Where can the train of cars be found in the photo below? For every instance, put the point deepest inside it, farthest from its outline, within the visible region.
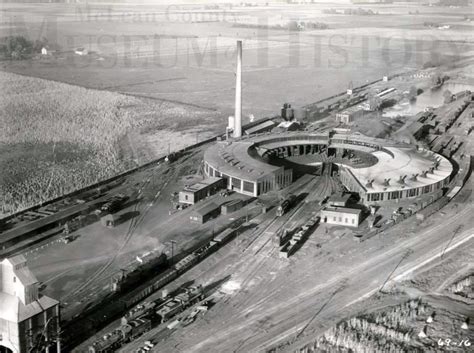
(94, 320)
(298, 238)
(141, 319)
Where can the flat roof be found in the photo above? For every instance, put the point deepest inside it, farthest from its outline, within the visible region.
(342, 210)
(340, 198)
(203, 210)
(265, 125)
(202, 184)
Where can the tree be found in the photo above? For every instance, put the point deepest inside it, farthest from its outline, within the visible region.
(17, 48)
(412, 93)
(448, 96)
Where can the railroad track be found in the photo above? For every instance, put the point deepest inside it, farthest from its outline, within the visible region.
(134, 223)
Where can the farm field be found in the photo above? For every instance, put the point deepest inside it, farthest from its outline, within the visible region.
(161, 77)
(176, 54)
(56, 137)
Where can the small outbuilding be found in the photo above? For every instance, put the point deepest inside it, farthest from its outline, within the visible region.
(109, 220)
(232, 206)
(343, 216)
(81, 51)
(339, 200)
(205, 213)
(347, 116)
(200, 190)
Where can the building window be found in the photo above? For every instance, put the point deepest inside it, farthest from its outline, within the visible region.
(353, 221)
(335, 219)
(346, 220)
(185, 197)
(248, 186)
(236, 183)
(14, 279)
(340, 219)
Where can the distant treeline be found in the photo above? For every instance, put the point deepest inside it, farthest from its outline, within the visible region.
(19, 47)
(358, 11)
(292, 25)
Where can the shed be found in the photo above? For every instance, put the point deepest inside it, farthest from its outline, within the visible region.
(232, 206)
(265, 126)
(339, 200)
(108, 220)
(205, 213)
(81, 51)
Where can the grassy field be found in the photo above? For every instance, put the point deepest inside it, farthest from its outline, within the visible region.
(160, 77)
(154, 50)
(56, 137)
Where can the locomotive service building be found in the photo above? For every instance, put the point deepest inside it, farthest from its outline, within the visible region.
(378, 170)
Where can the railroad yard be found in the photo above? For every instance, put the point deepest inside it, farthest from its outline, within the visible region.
(263, 300)
(138, 266)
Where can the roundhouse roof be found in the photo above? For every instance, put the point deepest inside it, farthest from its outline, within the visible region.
(241, 158)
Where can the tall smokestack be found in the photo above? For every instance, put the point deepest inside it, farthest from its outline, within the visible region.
(238, 92)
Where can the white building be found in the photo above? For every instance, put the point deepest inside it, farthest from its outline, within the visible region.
(28, 321)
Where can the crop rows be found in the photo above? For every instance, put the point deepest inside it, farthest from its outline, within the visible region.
(387, 331)
(56, 138)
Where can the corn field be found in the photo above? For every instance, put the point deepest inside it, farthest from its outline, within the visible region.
(48, 117)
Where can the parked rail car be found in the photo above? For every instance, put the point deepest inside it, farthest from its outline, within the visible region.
(180, 302)
(138, 311)
(285, 205)
(108, 343)
(187, 262)
(135, 328)
(225, 236)
(114, 203)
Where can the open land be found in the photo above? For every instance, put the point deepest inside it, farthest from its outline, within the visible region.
(136, 97)
(176, 68)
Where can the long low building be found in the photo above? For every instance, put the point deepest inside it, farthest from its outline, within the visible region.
(379, 170)
(341, 216)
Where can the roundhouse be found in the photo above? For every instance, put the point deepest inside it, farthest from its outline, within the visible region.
(379, 170)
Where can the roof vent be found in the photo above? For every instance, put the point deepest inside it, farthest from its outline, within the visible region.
(401, 180)
(369, 183)
(386, 182)
(414, 177)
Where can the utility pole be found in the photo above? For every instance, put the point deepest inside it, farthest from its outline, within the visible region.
(172, 242)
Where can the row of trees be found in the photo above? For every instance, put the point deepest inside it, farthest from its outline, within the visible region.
(20, 47)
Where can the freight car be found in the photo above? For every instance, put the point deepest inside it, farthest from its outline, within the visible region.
(123, 334)
(180, 302)
(138, 311)
(167, 276)
(285, 205)
(108, 343)
(135, 328)
(134, 325)
(114, 203)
